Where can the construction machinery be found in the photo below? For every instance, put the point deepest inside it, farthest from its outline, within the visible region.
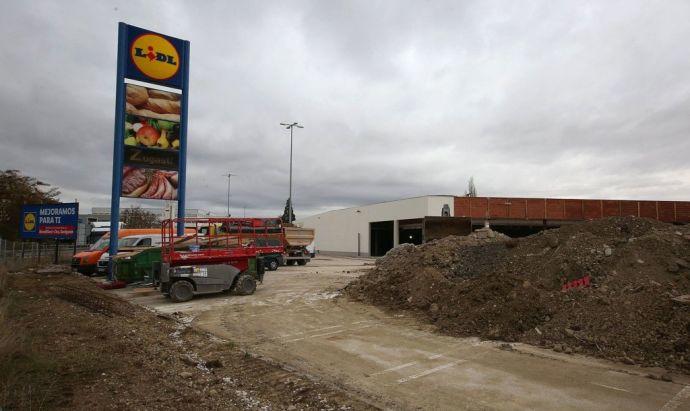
(209, 261)
(279, 243)
(296, 240)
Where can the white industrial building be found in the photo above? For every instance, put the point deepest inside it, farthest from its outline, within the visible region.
(372, 230)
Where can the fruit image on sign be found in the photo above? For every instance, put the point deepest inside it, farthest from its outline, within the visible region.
(151, 133)
(155, 56)
(29, 222)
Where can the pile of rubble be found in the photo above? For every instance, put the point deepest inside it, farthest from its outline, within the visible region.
(615, 288)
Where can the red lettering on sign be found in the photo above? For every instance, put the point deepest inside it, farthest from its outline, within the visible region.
(60, 230)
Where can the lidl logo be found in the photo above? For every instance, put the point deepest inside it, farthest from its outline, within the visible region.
(29, 222)
(155, 56)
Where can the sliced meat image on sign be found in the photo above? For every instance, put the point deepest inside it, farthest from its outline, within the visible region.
(149, 184)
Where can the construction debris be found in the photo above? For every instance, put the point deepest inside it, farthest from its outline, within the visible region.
(611, 288)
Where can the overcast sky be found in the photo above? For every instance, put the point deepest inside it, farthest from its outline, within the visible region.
(398, 99)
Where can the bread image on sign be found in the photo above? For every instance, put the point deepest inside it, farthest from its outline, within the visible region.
(149, 183)
(152, 103)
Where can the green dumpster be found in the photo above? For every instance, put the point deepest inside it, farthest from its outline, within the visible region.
(256, 268)
(136, 265)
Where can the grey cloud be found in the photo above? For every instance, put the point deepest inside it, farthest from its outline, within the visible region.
(578, 99)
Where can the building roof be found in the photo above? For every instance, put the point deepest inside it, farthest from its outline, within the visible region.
(381, 202)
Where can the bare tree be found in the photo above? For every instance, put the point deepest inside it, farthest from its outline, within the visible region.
(16, 190)
(137, 217)
(471, 188)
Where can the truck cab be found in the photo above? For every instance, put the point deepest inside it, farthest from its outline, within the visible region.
(272, 250)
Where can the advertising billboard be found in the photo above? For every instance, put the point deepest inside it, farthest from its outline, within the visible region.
(150, 127)
(57, 221)
(151, 139)
(152, 87)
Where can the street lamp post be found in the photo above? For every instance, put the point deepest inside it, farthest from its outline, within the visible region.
(290, 127)
(228, 176)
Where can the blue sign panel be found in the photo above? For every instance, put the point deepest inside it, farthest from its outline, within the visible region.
(58, 221)
(155, 58)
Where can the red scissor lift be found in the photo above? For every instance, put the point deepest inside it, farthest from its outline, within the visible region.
(219, 256)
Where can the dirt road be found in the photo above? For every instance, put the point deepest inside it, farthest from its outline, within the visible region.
(392, 361)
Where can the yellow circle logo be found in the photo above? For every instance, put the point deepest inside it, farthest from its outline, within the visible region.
(155, 56)
(29, 221)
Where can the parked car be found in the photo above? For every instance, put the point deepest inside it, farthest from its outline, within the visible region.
(86, 262)
(126, 244)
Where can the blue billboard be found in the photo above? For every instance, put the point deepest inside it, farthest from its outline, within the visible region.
(58, 221)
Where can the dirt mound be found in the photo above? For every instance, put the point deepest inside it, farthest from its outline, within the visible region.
(609, 288)
(66, 344)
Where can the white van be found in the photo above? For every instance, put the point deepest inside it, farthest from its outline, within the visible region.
(129, 243)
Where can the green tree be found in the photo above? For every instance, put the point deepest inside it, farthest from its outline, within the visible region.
(285, 216)
(137, 217)
(16, 190)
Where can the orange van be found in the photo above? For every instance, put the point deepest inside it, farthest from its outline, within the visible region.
(85, 261)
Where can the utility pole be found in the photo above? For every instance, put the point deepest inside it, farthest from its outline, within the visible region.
(228, 176)
(290, 127)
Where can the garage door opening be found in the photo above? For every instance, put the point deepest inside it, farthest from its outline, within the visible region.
(381, 235)
(410, 231)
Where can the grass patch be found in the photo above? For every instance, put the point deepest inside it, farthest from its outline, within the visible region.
(27, 380)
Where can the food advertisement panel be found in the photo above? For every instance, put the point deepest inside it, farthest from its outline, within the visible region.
(148, 183)
(151, 138)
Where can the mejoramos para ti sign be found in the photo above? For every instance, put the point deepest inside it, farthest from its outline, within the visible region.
(59, 221)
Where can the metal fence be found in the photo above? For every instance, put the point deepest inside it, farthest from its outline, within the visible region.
(19, 253)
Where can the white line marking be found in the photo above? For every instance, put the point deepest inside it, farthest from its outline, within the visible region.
(610, 387)
(324, 334)
(326, 328)
(435, 356)
(677, 399)
(396, 368)
(430, 371)
(314, 336)
(290, 335)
